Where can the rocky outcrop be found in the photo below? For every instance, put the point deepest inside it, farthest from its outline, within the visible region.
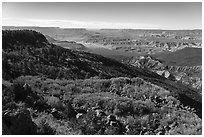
(184, 74)
(147, 62)
(165, 74)
(185, 68)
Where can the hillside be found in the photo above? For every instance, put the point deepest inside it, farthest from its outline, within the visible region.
(14, 40)
(184, 57)
(57, 62)
(48, 89)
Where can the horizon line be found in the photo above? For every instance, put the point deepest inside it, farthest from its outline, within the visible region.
(99, 28)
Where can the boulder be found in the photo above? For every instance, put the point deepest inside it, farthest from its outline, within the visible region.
(165, 74)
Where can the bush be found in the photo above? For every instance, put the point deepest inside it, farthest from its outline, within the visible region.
(124, 107)
(20, 93)
(56, 93)
(43, 125)
(107, 100)
(48, 125)
(87, 90)
(54, 102)
(7, 96)
(130, 91)
(19, 122)
(182, 123)
(141, 108)
(119, 83)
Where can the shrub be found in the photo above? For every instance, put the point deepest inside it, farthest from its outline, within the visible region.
(182, 122)
(73, 89)
(87, 90)
(7, 96)
(120, 82)
(20, 93)
(19, 121)
(143, 107)
(56, 93)
(54, 102)
(107, 100)
(123, 107)
(130, 91)
(43, 124)
(48, 125)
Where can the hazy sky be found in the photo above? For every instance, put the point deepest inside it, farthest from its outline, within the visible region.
(148, 15)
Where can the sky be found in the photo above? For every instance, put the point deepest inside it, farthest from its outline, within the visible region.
(115, 15)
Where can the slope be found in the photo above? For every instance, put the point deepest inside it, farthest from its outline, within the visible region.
(53, 62)
(184, 57)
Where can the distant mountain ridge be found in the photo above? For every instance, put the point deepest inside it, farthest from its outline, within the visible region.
(125, 41)
(54, 31)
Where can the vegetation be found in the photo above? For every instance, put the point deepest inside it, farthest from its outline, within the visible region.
(49, 90)
(138, 107)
